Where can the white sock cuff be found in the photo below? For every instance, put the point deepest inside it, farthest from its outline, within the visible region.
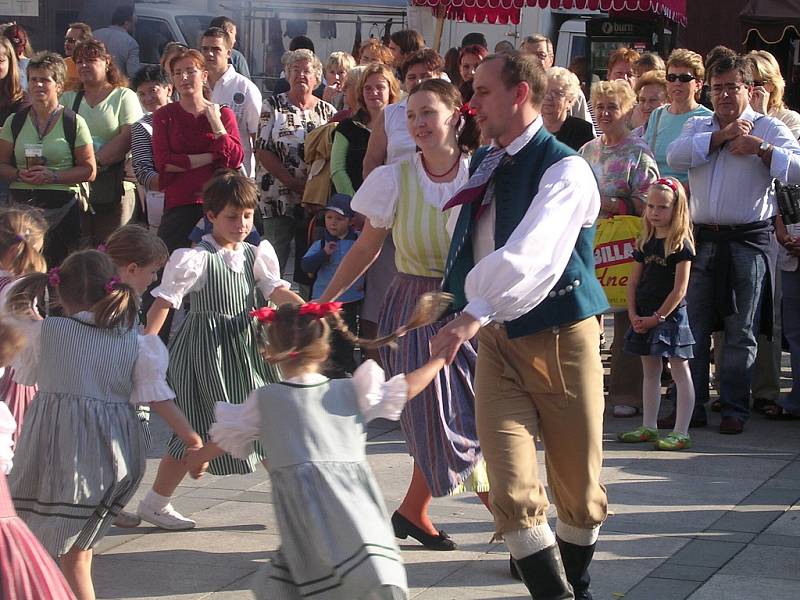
(156, 500)
(576, 535)
(524, 542)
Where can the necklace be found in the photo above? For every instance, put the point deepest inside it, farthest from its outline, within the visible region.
(440, 175)
(42, 132)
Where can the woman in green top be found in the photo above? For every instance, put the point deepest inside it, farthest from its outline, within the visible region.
(43, 169)
(110, 109)
(376, 87)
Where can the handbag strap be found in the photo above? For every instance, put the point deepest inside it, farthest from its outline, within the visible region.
(660, 110)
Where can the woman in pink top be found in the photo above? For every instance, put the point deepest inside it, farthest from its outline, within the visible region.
(192, 138)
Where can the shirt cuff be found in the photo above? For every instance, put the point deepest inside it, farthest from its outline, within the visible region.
(779, 164)
(480, 309)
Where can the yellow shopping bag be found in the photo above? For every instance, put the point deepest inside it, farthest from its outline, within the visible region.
(614, 243)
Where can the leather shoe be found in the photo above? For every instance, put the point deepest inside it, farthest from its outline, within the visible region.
(404, 528)
(731, 425)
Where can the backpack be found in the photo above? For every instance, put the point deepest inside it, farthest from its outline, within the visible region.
(70, 125)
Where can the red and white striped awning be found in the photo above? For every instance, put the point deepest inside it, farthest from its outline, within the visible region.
(508, 11)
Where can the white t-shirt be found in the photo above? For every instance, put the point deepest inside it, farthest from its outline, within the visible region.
(243, 97)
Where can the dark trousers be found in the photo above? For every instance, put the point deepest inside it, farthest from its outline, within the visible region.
(62, 212)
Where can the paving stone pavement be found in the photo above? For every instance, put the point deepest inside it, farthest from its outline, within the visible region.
(721, 521)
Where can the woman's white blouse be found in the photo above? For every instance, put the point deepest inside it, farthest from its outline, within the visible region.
(377, 197)
(237, 426)
(186, 270)
(7, 427)
(149, 371)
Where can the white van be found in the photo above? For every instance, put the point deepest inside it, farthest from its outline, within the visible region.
(157, 24)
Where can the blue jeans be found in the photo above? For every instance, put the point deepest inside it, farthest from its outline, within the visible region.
(791, 331)
(748, 278)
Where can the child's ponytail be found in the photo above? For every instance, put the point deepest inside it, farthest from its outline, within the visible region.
(21, 236)
(28, 291)
(118, 308)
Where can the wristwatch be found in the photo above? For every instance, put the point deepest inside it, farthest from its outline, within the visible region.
(661, 318)
(763, 147)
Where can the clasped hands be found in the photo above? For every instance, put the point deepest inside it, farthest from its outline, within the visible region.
(738, 139)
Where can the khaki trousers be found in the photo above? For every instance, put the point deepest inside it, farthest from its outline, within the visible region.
(553, 378)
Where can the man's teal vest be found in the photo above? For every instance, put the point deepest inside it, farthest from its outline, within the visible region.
(577, 294)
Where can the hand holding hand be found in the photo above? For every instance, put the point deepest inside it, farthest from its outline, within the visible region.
(449, 339)
(195, 462)
(735, 129)
(37, 175)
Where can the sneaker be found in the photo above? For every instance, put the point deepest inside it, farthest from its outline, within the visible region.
(674, 441)
(127, 520)
(166, 518)
(642, 434)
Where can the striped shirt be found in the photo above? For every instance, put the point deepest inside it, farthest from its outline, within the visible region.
(142, 151)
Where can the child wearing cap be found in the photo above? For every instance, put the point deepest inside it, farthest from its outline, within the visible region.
(322, 260)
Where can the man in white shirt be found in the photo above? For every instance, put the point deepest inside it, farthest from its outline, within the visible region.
(119, 41)
(732, 158)
(232, 89)
(521, 265)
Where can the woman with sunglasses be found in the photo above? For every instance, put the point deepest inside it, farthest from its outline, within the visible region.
(685, 74)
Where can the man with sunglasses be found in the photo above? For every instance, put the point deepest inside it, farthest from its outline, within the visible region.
(732, 158)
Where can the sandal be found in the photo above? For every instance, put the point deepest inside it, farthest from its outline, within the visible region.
(641, 434)
(778, 413)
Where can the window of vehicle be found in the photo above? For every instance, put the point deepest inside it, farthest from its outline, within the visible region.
(192, 27)
(152, 35)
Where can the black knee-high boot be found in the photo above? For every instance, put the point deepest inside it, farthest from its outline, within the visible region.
(576, 565)
(543, 574)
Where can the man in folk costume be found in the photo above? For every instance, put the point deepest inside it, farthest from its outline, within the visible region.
(521, 266)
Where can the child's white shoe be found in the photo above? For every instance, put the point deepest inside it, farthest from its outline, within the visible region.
(165, 518)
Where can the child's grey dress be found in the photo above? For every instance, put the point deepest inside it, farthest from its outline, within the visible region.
(336, 539)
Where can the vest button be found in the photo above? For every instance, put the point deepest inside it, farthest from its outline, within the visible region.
(552, 294)
(569, 288)
(562, 292)
(576, 283)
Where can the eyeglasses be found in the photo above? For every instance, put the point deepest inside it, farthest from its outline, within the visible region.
(759, 83)
(556, 93)
(683, 77)
(729, 88)
(71, 40)
(187, 72)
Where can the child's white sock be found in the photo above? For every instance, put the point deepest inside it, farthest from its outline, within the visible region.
(684, 405)
(651, 390)
(156, 501)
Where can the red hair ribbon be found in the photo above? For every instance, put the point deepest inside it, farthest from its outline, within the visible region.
(112, 284)
(318, 309)
(264, 314)
(54, 277)
(294, 354)
(667, 182)
(467, 110)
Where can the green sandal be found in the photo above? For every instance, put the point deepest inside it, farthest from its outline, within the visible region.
(642, 434)
(674, 441)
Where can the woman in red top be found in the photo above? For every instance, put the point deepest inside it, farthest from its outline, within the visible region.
(192, 138)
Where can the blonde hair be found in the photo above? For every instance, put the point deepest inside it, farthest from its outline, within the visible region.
(340, 60)
(136, 244)
(87, 280)
(620, 90)
(22, 230)
(682, 57)
(566, 78)
(767, 68)
(384, 71)
(296, 56)
(680, 228)
(11, 342)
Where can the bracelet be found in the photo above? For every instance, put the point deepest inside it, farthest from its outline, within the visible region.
(220, 132)
(661, 318)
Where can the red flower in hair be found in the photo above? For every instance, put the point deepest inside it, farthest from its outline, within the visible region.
(319, 309)
(468, 111)
(264, 314)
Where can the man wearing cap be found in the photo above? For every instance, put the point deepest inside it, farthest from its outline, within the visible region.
(322, 259)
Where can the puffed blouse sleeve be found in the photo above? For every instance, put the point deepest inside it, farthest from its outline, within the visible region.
(236, 426)
(7, 428)
(378, 398)
(150, 372)
(26, 362)
(267, 270)
(377, 197)
(184, 272)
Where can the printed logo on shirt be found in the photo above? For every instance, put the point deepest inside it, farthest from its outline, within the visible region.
(238, 98)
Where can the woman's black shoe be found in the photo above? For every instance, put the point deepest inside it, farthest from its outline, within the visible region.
(404, 528)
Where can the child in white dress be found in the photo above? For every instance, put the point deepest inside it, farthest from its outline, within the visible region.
(337, 541)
